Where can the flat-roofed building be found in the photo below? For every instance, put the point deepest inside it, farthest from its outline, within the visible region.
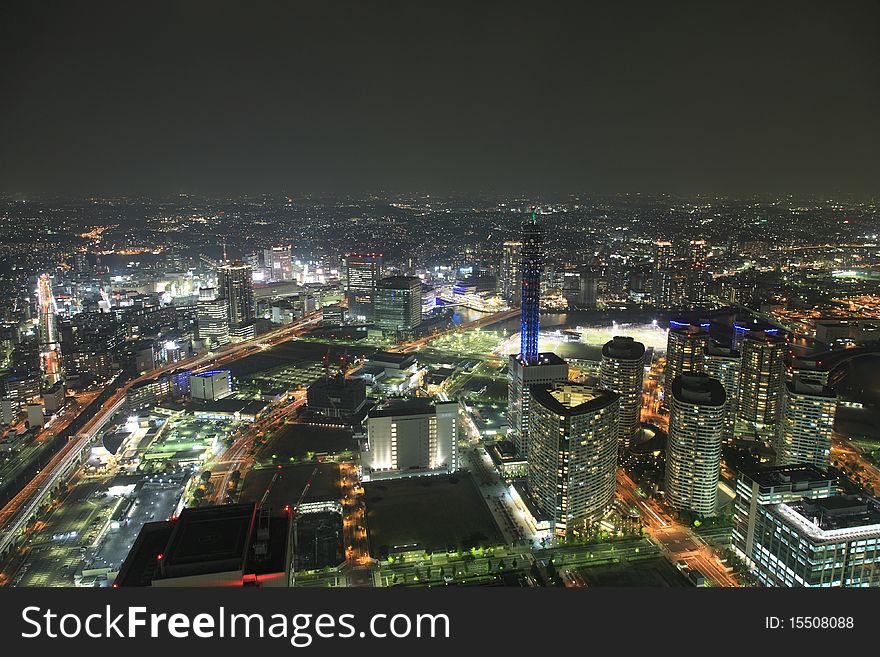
(805, 424)
(411, 437)
(211, 385)
(549, 368)
(826, 542)
(761, 377)
(774, 485)
(572, 461)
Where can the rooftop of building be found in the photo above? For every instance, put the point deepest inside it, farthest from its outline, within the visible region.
(398, 282)
(690, 324)
(216, 534)
(204, 541)
(209, 374)
(716, 350)
(783, 475)
(503, 451)
(410, 406)
(396, 357)
(828, 519)
(228, 405)
(804, 389)
(763, 336)
(544, 358)
(698, 388)
(572, 398)
(623, 347)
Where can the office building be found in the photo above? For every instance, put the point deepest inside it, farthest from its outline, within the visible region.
(279, 263)
(337, 397)
(805, 424)
(413, 437)
(17, 391)
(581, 288)
(685, 346)
(572, 462)
(91, 347)
(211, 385)
(398, 304)
(229, 545)
(549, 368)
(671, 278)
(698, 273)
(235, 282)
(743, 327)
(622, 370)
(773, 485)
(693, 449)
(363, 272)
(509, 275)
(723, 364)
(212, 315)
(35, 414)
(761, 376)
(818, 543)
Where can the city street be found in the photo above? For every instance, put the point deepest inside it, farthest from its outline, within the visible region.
(678, 541)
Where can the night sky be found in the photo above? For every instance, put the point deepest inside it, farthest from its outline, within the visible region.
(539, 97)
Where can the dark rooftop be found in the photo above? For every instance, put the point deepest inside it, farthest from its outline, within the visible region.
(781, 475)
(840, 511)
(624, 348)
(394, 407)
(698, 388)
(397, 357)
(720, 351)
(544, 358)
(204, 541)
(572, 398)
(208, 539)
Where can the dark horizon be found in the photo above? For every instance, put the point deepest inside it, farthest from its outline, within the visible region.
(343, 98)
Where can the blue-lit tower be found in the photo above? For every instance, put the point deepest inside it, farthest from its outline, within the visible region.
(531, 268)
(530, 367)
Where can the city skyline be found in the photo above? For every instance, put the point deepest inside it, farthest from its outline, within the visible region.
(569, 296)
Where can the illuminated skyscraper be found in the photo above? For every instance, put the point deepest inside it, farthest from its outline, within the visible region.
(665, 284)
(684, 353)
(279, 263)
(235, 281)
(550, 368)
(723, 364)
(572, 463)
(47, 311)
(398, 303)
(509, 275)
(363, 272)
(212, 313)
(805, 425)
(693, 449)
(698, 274)
(761, 378)
(622, 371)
